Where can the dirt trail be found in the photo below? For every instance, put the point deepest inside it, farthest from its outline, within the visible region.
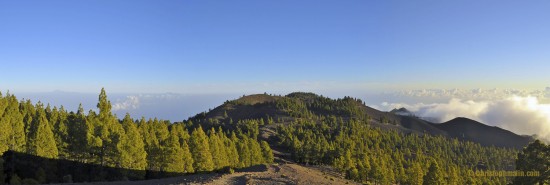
(284, 171)
(261, 174)
(281, 174)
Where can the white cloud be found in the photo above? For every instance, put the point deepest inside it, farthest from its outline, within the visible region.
(131, 102)
(475, 94)
(522, 115)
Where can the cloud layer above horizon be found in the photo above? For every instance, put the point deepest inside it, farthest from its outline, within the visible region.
(519, 112)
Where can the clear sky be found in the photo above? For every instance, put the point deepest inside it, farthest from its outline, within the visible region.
(137, 46)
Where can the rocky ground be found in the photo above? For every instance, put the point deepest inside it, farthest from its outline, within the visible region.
(283, 174)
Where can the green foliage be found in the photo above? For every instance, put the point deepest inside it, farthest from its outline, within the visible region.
(245, 157)
(41, 138)
(232, 152)
(434, 175)
(78, 135)
(183, 137)
(372, 155)
(108, 133)
(187, 159)
(534, 158)
(133, 155)
(172, 155)
(415, 174)
(217, 150)
(17, 140)
(267, 152)
(5, 130)
(4, 126)
(59, 120)
(148, 146)
(256, 156)
(202, 157)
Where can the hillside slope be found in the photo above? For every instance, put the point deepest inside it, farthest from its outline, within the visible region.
(467, 129)
(298, 105)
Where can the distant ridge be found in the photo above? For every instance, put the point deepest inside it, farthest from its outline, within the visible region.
(283, 109)
(467, 129)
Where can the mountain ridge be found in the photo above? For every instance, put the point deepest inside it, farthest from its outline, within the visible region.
(468, 129)
(298, 105)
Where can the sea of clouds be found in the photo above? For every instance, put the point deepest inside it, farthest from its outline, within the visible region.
(522, 112)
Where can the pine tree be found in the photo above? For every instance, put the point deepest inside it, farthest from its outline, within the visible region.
(415, 174)
(187, 158)
(255, 152)
(200, 149)
(133, 155)
(244, 152)
(399, 172)
(59, 120)
(434, 175)
(78, 136)
(267, 152)
(220, 141)
(17, 140)
(183, 136)
(215, 150)
(534, 158)
(454, 178)
(109, 131)
(232, 153)
(152, 145)
(172, 155)
(5, 127)
(160, 129)
(5, 130)
(28, 110)
(41, 138)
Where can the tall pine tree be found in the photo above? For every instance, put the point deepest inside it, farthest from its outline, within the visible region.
(109, 131)
(415, 174)
(217, 150)
(133, 155)
(5, 127)
(187, 158)
(41, 138)
(267, 152)
(17, 140)
(172, 155)
(232, 153)
(434, 175)
(200, 149)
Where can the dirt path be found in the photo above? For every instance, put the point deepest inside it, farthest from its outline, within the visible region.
(285, 172)
(281, 174)
(261, 174)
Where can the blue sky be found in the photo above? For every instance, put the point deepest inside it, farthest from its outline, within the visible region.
(174, 59)
(255, 46)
